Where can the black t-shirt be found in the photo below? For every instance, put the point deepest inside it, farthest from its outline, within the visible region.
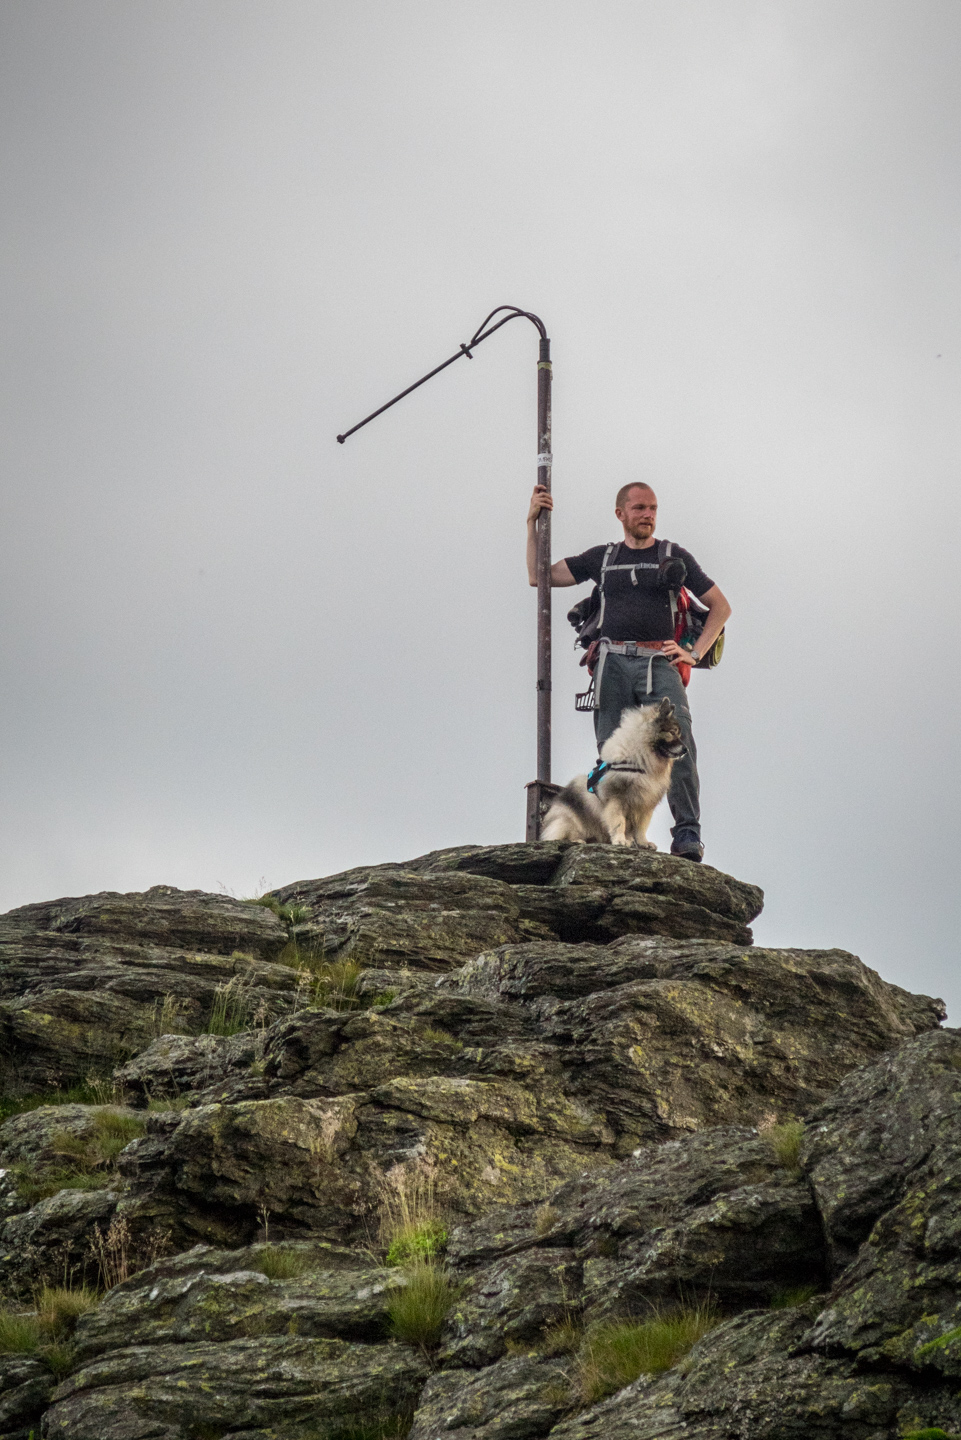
(635, 606)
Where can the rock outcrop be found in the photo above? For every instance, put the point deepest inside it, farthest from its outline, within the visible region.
(598, 1078)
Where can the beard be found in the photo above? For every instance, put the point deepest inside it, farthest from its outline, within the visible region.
(641, 530)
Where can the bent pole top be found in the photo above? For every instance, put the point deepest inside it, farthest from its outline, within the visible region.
(540, 790)
(481, 333)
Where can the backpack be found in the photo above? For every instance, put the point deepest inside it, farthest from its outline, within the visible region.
(689, 613)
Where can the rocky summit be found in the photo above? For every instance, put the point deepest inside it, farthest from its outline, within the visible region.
(502, 1143)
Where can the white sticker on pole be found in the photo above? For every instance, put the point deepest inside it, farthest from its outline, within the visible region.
(545, 459)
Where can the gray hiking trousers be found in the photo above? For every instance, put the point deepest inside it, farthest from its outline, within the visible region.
(623, 683)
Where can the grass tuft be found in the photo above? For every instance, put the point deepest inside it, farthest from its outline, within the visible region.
(278, 1263)
(785, 1141)
(293, 914)
(545, 1218)
(614, 1353)
(235, 1008)
(20, 1334)
(932, 1433)
(60, 1307)
(169, 1016)
(176, 1102)
(790, 1298)
(563, 1339)
(46, 1332)
(412, 1224)
(331, 985)
(92, 1091)
(418, 1309)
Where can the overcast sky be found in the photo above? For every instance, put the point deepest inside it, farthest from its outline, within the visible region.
(236, 654)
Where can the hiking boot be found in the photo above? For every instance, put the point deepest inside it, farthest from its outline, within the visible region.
(687, 844)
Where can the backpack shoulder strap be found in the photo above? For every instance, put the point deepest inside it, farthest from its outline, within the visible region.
(664, 550)
(605, 564)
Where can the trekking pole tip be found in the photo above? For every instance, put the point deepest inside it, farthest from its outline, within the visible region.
(341, 439)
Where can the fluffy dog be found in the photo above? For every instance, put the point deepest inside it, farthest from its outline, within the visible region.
(643, 747)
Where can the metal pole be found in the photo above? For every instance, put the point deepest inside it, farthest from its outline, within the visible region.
(540, 791)
(544, 462)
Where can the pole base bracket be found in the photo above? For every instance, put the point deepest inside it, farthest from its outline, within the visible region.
(540, 794)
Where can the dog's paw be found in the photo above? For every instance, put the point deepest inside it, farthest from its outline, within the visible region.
(644, 845)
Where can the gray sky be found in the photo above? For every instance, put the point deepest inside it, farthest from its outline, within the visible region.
(237, 654)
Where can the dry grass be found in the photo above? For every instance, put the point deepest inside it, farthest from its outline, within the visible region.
(545, 1218)
(117, 1254)
(615, 1353)
(418, 1309)
(563, 1339)
(169, 1016)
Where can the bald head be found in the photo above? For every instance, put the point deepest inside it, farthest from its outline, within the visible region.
(636, 508)
(625, 490)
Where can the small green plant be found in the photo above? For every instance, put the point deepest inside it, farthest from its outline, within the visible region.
(935, 1433)
(412, 1223)
(112, 1131)
(293, 914)
(790, 1298)
(278, 1263)
(614, 1353)
(785, 1141)
(418, 1309)
(940, 1343)
(421, 1242)
(382, 998)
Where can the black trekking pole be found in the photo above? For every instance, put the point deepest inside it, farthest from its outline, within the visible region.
(539, 791)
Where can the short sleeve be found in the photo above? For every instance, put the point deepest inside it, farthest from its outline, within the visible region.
(586, 566)
(697, 582)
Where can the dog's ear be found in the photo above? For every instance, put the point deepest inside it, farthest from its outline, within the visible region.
(667, 709)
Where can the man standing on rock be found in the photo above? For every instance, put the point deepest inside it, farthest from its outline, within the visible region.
(639, 657)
